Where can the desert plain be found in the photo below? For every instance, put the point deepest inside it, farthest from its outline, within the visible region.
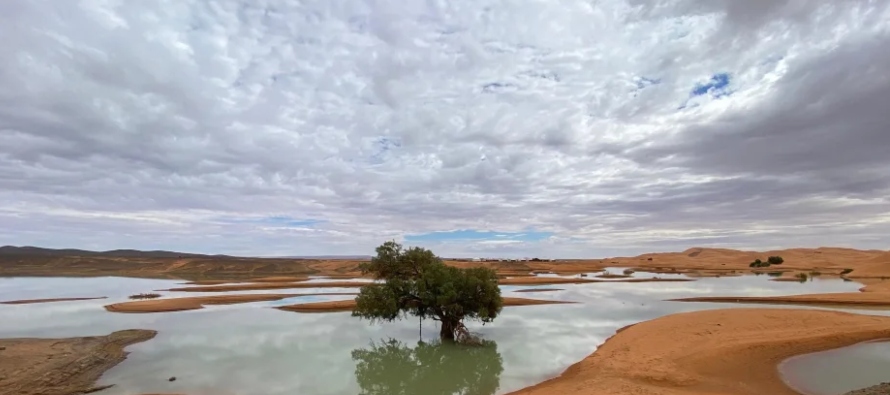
(731, 345)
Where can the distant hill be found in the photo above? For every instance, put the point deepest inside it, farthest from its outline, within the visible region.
(38, 251)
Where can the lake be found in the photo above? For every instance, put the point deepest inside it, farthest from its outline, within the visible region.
(252, 348)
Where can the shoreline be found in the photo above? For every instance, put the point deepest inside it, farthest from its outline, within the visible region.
(63, 366)
(166, 305)
(50, 300)
(730, 352)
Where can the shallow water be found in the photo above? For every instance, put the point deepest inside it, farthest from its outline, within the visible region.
(839, 371)
(253, 349)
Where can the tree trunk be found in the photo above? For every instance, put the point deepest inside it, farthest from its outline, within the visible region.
(446, 334)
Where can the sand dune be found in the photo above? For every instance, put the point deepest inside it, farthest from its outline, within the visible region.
(30, 301)
(349, 305)
(715, 352)
(197, 302)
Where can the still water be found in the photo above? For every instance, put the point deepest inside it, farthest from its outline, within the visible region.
(254, 349)
(839, 371)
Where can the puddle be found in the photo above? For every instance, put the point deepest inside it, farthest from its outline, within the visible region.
(838, 371)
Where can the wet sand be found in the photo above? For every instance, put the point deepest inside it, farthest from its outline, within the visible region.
(880, 389)
(30, 301)
(725, 352)
(349, 305)
(198, 302)
(30, 366)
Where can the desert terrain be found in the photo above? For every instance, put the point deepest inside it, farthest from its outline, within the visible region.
(680, 354)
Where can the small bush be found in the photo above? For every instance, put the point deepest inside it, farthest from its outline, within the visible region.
(758, 263)
(846, 271)
(802, 277)
(775, 260)
(775, 274)
(628, 271)
(145, 296)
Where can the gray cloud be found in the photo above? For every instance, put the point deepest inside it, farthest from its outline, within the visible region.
(143, 124)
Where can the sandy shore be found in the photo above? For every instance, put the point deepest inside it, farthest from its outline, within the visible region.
(845, 299)
(714, 352)
(31, 366)
(349, 305)
(197, 302)
(30, 301)
(880, 389)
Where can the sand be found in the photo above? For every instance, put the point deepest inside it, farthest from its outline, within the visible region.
(539, 290)
(880, 389)
(349, 305)
(845, 299)
(197, 302)
(714, 352)
(31, 301)
(215, 269)
(31, 366)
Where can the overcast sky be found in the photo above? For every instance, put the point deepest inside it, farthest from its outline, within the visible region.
(551, 128)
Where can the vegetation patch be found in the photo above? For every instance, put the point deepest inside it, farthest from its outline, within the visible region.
(145, 296)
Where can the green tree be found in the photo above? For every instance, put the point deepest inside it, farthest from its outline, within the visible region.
(392, 368)
(775, 260)
(418, 283)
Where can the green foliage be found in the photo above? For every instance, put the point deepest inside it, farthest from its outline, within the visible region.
(775, 260)
(417, 283)
(802, 277)
(758, 263)
(392, 368)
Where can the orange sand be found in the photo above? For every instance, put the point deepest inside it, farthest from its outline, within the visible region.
(715, 352)
(270, 285)
(349, 305)
(30, 301)
(195, 303)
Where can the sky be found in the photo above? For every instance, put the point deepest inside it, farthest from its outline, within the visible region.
(475, 128)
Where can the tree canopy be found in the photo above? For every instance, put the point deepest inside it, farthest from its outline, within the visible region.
(416, 282)
(392, 368)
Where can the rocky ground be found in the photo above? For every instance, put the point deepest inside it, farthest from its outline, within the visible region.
(880, 389)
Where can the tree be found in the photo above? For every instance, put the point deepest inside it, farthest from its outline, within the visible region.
(775, 260)
(418, 283)
(392, 368)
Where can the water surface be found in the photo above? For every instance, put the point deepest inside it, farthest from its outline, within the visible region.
(839, 371)
(249, 349)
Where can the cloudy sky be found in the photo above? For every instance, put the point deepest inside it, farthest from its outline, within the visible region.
(557, 128)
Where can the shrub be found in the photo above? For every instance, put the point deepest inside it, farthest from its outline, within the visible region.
(775, 274)
(758, 263)
(802, 277)
(628, 271)
(145, 296)
(775, 260)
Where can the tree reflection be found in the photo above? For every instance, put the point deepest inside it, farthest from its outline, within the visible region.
(392, 368)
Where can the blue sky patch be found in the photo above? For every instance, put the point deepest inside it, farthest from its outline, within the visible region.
(476, 235)
(716, 86)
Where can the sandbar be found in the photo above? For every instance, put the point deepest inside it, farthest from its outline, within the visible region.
(31, 366)
(847, 299)
(197, 302)
(725, 352)
(51, 300)
(349, 305)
